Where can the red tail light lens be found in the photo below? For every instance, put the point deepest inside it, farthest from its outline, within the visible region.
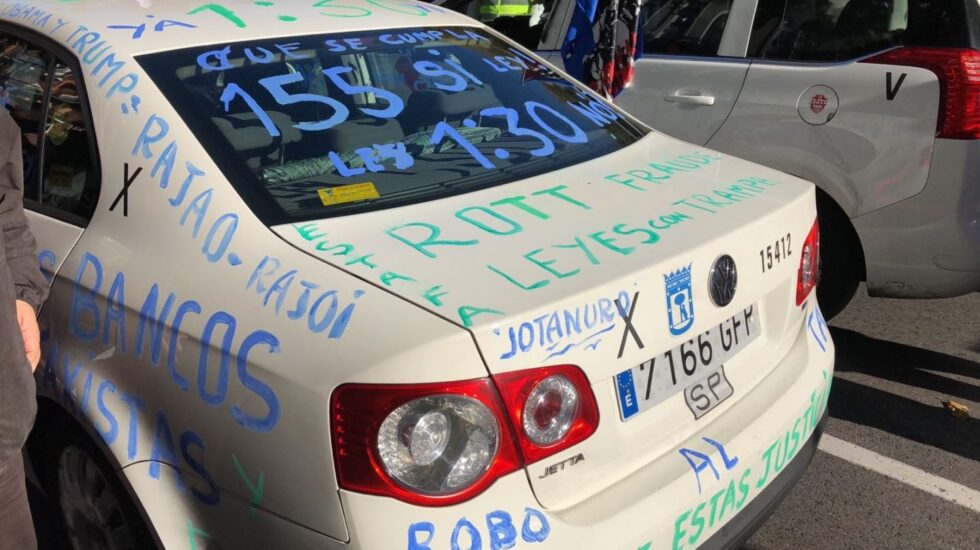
(958, 70)
(552, 408)
(809, 272)
(427, 444)
(441, 444)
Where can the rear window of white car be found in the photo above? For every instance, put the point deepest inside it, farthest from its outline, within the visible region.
(318, 126)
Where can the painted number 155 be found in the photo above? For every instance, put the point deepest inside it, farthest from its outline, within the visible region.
(776, 252)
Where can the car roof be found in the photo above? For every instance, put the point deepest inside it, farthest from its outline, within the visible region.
(136, 27)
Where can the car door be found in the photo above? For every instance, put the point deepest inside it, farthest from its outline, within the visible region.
(692, 68)
(61, 183)
(818, 102)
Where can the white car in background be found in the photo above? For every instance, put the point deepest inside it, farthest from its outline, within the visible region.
(875, 101)
(395, 284)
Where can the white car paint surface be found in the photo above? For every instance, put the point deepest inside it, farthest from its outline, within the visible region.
(199, 346)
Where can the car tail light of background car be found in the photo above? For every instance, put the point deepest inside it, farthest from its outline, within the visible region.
(444, 443)
(809, 271)
(958, 70)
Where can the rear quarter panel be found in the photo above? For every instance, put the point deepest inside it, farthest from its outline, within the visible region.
(873, 152)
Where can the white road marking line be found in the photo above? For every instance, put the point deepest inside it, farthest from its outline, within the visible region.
(909, 475)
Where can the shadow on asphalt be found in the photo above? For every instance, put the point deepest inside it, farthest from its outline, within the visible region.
(927, 424)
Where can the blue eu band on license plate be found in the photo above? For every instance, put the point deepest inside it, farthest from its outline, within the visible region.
(643, 386)
(627, 394)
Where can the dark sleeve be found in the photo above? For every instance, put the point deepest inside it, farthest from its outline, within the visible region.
(18, 242)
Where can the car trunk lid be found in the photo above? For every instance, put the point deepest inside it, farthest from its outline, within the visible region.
(604, 265)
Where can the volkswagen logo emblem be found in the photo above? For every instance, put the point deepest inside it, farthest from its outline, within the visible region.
(722, 280)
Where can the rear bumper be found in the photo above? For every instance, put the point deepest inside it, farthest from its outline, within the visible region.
(928, 246)
(734, 534)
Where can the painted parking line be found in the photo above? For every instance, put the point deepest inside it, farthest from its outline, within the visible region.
(909, 475)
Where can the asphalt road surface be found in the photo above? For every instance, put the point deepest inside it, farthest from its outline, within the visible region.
(897, 361)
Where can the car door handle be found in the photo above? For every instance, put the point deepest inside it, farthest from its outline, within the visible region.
(690, 99)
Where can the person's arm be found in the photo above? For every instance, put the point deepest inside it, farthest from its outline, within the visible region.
(30, 288)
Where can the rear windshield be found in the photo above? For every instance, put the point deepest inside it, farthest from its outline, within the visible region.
(318, 126)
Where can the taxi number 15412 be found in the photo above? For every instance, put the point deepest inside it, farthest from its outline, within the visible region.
(776, 252)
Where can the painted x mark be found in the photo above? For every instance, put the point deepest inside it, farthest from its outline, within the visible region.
(124, 194)
(628, 318)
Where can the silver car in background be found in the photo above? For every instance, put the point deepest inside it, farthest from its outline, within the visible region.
(875, 101)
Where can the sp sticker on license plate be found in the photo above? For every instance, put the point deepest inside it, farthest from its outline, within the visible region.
(707, 394)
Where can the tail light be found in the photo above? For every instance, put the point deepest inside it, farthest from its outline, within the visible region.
(809, 272)
(427, 444)
(958, 70)
(552, 408)
(441, 444)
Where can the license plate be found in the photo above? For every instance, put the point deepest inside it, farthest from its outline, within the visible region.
(659, 378)
(707, 394)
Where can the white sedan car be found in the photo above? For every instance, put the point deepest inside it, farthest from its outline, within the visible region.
(368, 275)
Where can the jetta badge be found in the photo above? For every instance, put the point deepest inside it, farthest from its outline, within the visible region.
(722, 281)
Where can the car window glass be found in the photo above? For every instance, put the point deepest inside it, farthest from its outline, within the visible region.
(523, 21)
(833, 30)
(23, 76)
(318, 126)
(684, 27)
(68, 182)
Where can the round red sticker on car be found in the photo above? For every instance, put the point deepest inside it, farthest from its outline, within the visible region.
(818, 103)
